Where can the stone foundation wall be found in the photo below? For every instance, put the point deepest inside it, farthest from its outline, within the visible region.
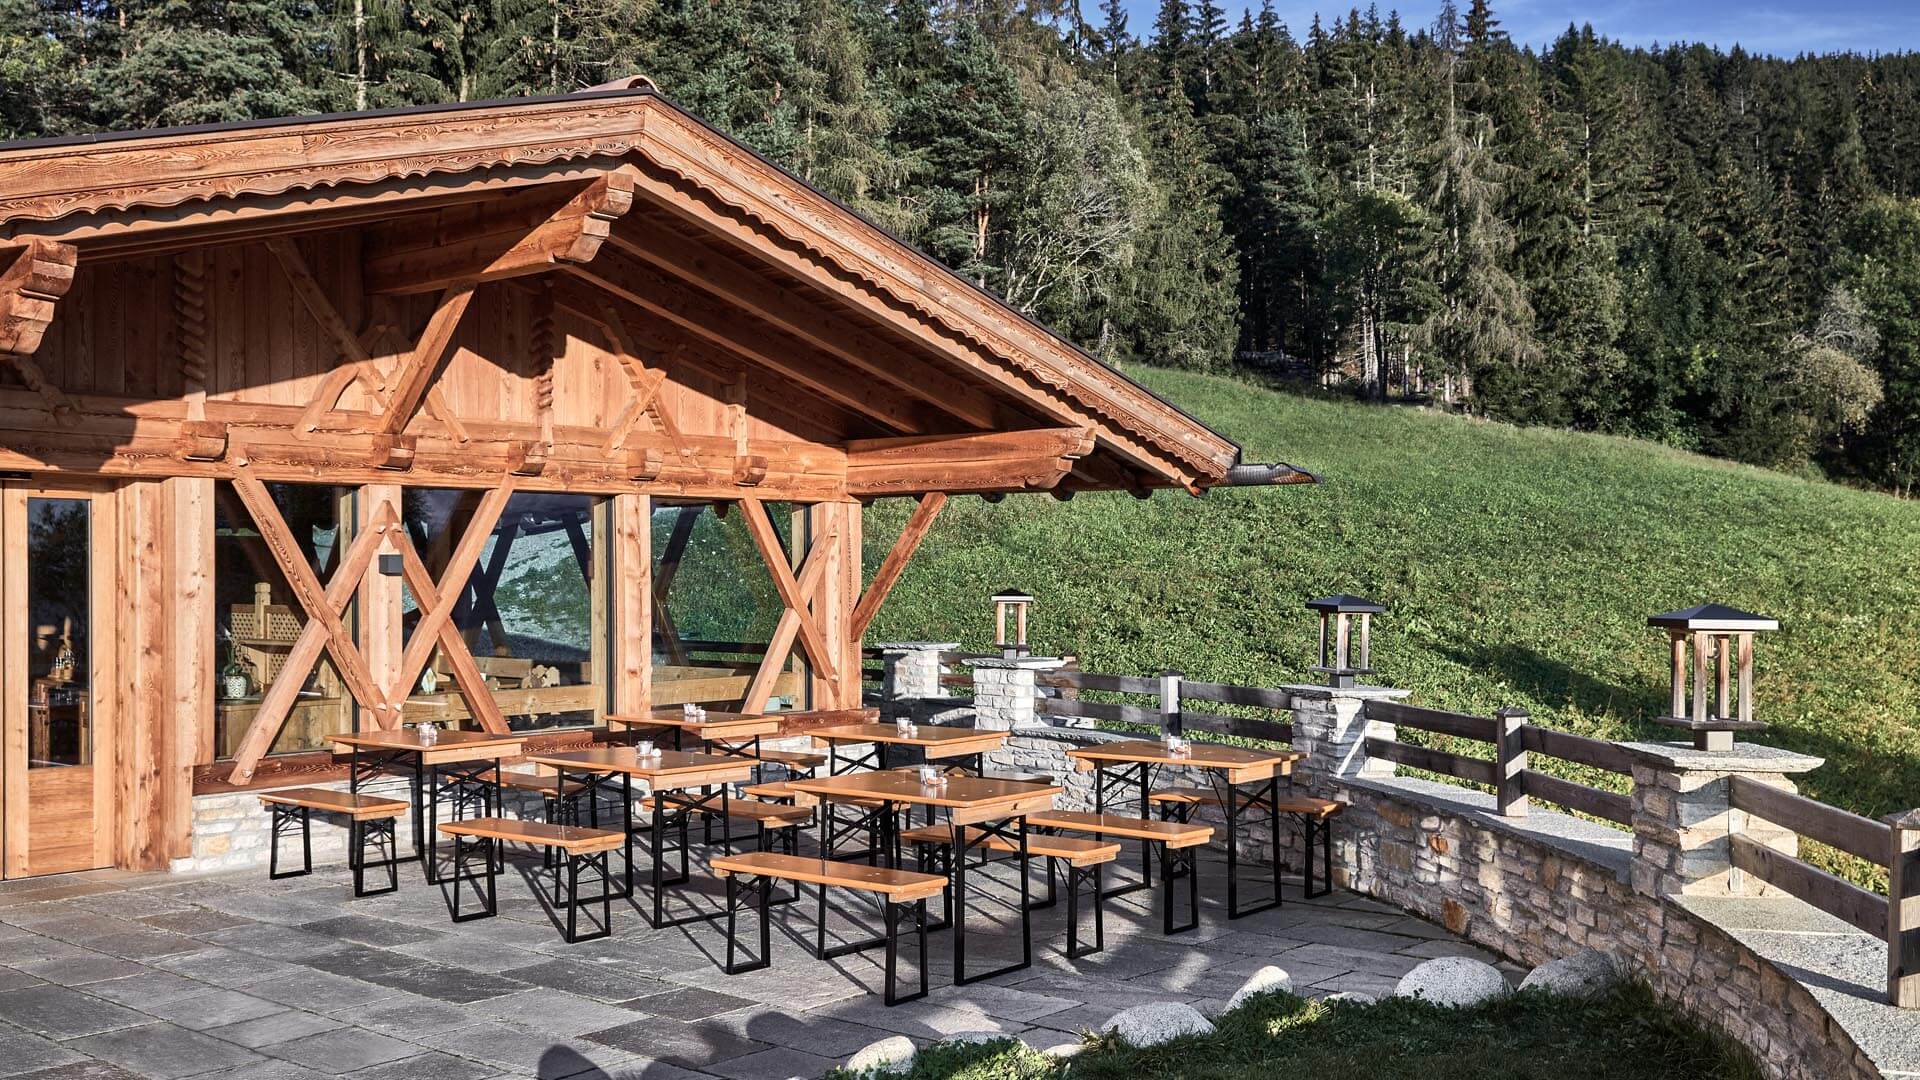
(1549, 885)
(1533, 889)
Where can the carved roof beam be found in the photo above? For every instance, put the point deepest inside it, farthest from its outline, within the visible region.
(1030, 460)
(466, 245)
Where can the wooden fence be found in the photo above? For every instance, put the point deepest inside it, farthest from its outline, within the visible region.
(1171, 692)
(1894, 918)
(1509, 772)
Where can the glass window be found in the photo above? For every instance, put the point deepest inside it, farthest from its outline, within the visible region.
(59, 620)
(530, 612)
(258, 617)
(716, 605)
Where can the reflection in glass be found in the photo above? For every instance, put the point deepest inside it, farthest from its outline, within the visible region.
(716, 605)
(59, 622)
(259, 618)
(529, 612)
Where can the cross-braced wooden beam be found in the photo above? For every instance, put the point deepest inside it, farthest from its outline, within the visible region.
(797, 620)
(420, 368)
(895, 563)
(324, 630)
(436, 600)
(798, 600)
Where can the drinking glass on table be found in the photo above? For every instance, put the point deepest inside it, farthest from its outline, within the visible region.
(645, 746)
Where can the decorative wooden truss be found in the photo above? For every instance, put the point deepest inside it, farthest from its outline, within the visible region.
(798, 594)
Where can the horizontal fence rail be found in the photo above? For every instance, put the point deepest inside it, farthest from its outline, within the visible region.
(1478, 770)
(1816, 820)
(1508, 773)
(1836, 896)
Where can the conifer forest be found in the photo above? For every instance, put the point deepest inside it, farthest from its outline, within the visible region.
(1708, 248)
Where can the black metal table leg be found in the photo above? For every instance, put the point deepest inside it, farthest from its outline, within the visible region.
(961, 844)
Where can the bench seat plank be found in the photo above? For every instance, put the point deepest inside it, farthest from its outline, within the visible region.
(1288, 804)
(899, 886)
(1176, 834)
(357, 807)
(1075, 850)
(572, 839)
(771, 813)
(543, 785)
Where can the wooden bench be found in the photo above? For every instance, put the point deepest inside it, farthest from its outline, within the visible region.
(1082, 858)
(1175, 839)
(370, 819)
(1315, 816)
(582, 848)
(900, 892)
(772, 821)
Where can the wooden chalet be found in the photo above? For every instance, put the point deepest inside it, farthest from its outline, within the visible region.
(503, 415)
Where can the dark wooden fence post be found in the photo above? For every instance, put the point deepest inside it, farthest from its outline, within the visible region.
(1170, 719)
(1903, 911)
(1510, 752)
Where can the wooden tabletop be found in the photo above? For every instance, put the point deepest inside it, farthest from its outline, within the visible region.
(1239, 763)
(971, 798)
(713, 725)
(936, 740)
(450, 744)
(666, 766)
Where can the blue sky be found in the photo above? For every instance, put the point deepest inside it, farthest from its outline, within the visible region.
(1781, 27)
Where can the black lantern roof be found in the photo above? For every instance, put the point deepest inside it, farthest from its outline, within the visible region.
(1713, 617)
(1011, 596)
(1341, 603)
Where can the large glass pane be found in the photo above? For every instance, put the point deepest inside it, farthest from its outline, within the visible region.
(59, 621)
(717, 606)
(259, 617)
(529, 612)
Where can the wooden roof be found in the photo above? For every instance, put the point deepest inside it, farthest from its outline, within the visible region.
(711, 241)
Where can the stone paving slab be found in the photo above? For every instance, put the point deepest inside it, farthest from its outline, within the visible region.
(110, 976)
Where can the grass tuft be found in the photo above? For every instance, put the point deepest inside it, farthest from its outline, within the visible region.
(1624, 1034)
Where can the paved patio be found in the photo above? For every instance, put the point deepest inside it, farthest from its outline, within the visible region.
(106, 975)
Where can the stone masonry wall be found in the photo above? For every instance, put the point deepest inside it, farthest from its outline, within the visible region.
(1549, 885)
(1532, 889)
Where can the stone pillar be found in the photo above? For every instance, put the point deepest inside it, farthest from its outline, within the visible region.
(1330, 728)
(1683, 821)
(913, 675)
(1004, 689)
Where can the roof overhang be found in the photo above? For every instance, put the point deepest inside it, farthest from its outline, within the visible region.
(121, 194)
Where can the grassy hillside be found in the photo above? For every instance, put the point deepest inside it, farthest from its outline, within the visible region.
(1519, 565)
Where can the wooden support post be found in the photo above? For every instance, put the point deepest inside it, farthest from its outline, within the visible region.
(382, 630)
(1510, 754)
(1171, 721)
(895, 563)
(632, 595)
(1903, 910)
(1678, 643)
(1745, 704)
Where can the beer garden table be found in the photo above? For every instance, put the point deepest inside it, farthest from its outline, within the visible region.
(934, 741)
(466, 756)
(669, 775)
(712, 727)
(993, 807)
(1228, 770)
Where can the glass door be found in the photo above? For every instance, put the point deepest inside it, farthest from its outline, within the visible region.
(56, 757)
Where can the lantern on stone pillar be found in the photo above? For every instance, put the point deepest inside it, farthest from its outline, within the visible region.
(1011, 602)
(1712, 642)
(1342, 618)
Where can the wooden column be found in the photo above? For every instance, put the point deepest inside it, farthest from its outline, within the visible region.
(382, 639)
(195, 647)
(151, 783)
(1903, 910)
(1510, 756)
(631, 599)
(837, 527)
